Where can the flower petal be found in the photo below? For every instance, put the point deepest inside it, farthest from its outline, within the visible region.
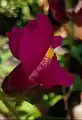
(75, 17)
(78, 18)
(57, 41)
(57, 8)
(14, 39)
(54, 74)
(17, 81)
(35, 43)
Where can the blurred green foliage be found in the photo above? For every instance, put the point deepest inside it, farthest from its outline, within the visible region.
(7, 61)
(25, 110)
(11, 7)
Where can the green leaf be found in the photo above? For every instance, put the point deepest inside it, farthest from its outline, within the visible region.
(75, 53)
(77, 86)
(28, 108)
(22, 113)
(61, 61)
(55, 100)
(3, 107)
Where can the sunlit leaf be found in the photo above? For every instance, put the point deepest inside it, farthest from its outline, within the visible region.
(3, 107)
(28, 108)
(55, 100)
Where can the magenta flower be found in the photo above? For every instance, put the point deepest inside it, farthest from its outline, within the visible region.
(57, 8)
(59, 13)
(30, 45)
(76, 17)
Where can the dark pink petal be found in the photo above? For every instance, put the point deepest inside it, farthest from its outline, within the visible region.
(17, 81)
(59, 16)
(54, 74)
(56, 4)
(31, 25)
(35, 43)
(14, 39)
(58, 10)
(31, 42)
(76, 17)
(57, 41)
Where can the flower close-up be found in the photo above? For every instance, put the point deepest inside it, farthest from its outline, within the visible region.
(34, 46)
(40, 59)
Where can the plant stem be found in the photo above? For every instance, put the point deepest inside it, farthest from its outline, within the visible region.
(8, 105)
